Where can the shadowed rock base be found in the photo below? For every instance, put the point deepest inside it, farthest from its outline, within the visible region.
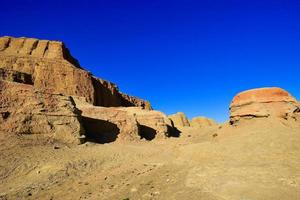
(100, 131)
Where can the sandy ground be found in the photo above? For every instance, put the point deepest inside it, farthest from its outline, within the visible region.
(254, 160)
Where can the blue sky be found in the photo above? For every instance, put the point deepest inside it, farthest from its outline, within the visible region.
(191, 56)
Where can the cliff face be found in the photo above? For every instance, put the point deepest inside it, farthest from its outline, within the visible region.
(50, 66)
(44, 91)
(26, 111)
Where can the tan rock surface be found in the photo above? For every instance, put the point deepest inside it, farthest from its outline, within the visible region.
(263, 102)
(202, 122)
(152, 123)
(26, 111)
(124, 123)
(52, 67)
(15, 76)
(179, 119)
(105, 125)
(130, 101)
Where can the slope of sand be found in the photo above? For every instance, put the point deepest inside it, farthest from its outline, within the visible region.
(258, 159)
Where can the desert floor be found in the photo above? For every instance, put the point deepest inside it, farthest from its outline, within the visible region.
(254, 160)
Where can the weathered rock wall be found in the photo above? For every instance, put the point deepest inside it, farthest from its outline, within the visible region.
(52, 67)
(24, 110)
(131, 101)
(152, 123)
(104, 125)
(15, 76)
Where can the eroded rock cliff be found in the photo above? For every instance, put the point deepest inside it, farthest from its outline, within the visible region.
(26, 111)
(51, 66)
(44, 91)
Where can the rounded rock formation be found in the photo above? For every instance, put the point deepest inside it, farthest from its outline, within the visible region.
(202, 122)
(263, 102)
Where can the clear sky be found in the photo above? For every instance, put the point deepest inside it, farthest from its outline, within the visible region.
(190, 56)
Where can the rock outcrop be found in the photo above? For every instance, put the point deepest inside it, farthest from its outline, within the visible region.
(104, 125)
(51, 66)
(263, 102)
(152, 124)
(45, 91)
(35, 48)
(202, 122)
(179, 119)
(25, 110)
(131, 101)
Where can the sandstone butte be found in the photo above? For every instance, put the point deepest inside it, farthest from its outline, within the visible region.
(44, 90)
(48, 65)
(263, 102)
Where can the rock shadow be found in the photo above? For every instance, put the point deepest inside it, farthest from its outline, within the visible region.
(146, 132)
(100, 131)
(173, 131)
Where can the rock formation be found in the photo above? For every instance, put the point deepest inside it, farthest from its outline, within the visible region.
(263, 102)
(152, 124)
(15, 76)
(179, 119)
(104, 125)
(25, 110)
(50, 65)
(123, 123)
(202, 122)
(43, 90)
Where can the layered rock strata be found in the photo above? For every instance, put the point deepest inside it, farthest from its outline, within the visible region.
(263, 102)
(51, 66)
(45, 91)
(25, 110)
